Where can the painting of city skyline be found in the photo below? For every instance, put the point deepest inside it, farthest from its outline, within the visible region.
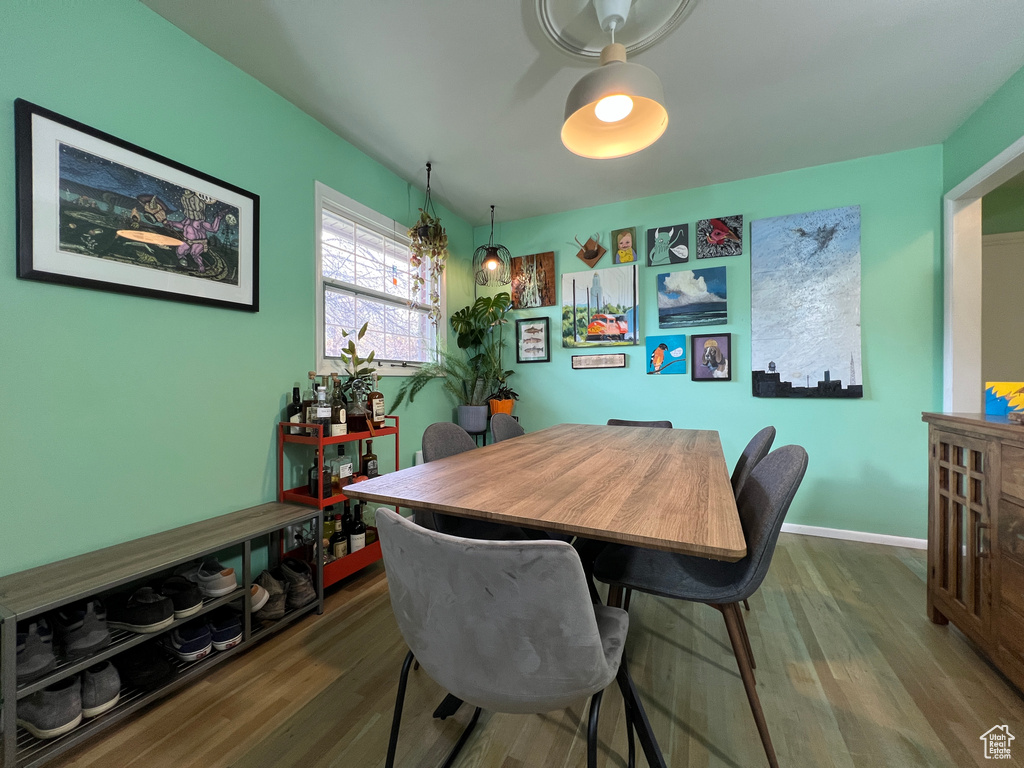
(805, 305)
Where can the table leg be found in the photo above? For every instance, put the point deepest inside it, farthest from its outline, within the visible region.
(644, 732)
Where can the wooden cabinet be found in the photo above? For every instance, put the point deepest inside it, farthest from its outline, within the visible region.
(976, 533)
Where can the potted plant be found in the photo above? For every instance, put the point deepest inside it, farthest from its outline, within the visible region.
(358, 384)
(503, 398)
(429, 244)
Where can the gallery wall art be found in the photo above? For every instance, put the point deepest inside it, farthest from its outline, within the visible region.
(668, 245)
(712, 357)
(719, 237)
(586, 362)
(532, 344)
(692, 297)
(666, 354)
(805, 305)
(600, 308)
(97, 212)
(591, 251)
(624, 246)
(533, 281)
(1003, 397)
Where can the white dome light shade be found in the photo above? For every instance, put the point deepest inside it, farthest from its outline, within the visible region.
(585, 133)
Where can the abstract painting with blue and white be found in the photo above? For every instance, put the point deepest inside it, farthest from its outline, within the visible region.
(805, 304)
(692, 297)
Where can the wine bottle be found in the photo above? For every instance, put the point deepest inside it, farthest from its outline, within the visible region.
(294, 412)
(328, 523)
(339, 539)
(319, 478)
(308, 399)
(357, 532)
(339, 410)
(368, 466)
(375, 404)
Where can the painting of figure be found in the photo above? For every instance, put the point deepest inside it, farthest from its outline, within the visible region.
(668, 245)
(692, 297)
(805, 305)
(624, 246)
(533, 280)
(600, 308)
(719, 237)
(712, 357)
(666, 354)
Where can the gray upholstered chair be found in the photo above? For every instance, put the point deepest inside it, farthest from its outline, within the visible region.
(440, 441)
(756, 450)
(504, 426)
(628, 423)
(507, 626)
(763, 503)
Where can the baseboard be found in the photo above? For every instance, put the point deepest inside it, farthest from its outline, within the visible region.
(871, 538)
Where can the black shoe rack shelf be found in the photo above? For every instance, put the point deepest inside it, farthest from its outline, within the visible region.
(48, 588)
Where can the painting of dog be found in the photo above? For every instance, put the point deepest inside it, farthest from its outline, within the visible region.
(712, 357)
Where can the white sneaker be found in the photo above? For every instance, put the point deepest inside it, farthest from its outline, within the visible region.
(258, 597)
(214, 579)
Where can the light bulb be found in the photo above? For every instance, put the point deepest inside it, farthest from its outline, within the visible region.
(611, 109)
(491, 264)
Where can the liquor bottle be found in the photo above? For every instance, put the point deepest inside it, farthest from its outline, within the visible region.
(375, 404)
(339, 539)
(328, 523)
(368, 466)
(357, 532)
(339, 410)
(294, 412)
(341, 470)
(308, 398)
(319, 479)
(320, 413)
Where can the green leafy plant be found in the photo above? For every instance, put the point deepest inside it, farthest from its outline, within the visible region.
(359, 369)
(429, 244)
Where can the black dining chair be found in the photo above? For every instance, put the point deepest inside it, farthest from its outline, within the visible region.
(628, 423)
(503, 427)
(506, 626)
(756, 450)
(764, 500)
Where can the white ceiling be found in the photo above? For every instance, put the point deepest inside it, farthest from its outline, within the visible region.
(752, 87)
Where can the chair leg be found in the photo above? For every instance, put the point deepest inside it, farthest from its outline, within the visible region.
(731, 612)
(638, 718)
(625, 600)
(462, 740)
(746, 640)
(746, 604)
(595, 711)
(448, 707)
(397, 720)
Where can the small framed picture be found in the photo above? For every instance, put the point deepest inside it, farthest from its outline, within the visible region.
(711, 357)
(582, 362)
(532, 345)
(624, 246)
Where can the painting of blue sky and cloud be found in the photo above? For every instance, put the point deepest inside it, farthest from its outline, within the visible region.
(692, 297)
(805, 304)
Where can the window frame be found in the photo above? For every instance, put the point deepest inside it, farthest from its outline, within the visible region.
(331, 200)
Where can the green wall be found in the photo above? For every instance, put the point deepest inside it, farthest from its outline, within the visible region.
(868, 465)
(125, 416)
(993, 127)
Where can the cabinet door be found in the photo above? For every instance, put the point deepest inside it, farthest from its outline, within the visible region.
(963, 478)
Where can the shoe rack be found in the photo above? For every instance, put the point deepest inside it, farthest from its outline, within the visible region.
(32, 593)
(336, 570)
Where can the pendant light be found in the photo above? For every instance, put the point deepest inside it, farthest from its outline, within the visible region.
(618, 109)
(492, 264)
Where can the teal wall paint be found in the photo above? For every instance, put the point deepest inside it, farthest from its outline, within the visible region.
(993, 127)
(868, 465)
(125, 416)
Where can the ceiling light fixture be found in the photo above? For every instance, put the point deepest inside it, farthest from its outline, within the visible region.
(492, 264)
(618, 109)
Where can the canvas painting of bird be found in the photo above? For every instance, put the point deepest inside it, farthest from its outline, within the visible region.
(719, 237)
(666, 354)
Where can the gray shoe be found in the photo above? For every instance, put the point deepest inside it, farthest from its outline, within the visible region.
(35, 651)
(101, 689)
(53, 711)
(81, 629)
(299, 578)
(273, 609)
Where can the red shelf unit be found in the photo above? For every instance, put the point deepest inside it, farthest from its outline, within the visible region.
(345, 566)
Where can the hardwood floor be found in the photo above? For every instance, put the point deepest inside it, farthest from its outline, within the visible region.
(850, 672)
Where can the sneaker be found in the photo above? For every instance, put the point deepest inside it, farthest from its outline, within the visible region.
(190, 642)
(185, 596)
(299, 578)
(53, 711)
(101, 689)
(81, 629)
(144, 666)
(34, 651)
(226, 628)
(276, 591)
(144, 611)
(258, 597)
(213, 578)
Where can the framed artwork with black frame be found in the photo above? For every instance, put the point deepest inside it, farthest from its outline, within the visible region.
(532, 340)
(711, 356)
(95, 211)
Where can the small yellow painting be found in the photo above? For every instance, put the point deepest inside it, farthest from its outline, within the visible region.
(1002, 397)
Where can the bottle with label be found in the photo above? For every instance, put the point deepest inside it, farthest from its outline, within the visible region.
(341, 470)
(319, 479)
(328, 523)
(320, 413)
(339, 410)
(339, 539)
(357, 532)
(293, 413)
(368, 466)
(308, 398)
(375, 404)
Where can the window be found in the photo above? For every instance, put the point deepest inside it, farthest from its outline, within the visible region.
(364, 276)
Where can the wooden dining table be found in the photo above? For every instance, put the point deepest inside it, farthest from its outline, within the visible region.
(666, 489)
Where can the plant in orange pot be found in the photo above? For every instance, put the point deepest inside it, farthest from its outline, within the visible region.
(504, 397)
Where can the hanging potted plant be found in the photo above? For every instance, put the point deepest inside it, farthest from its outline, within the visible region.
(429, 245)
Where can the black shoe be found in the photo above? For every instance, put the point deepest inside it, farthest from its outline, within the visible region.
(184, 594)
(81, 629)
(145, 611)
(144, 666)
